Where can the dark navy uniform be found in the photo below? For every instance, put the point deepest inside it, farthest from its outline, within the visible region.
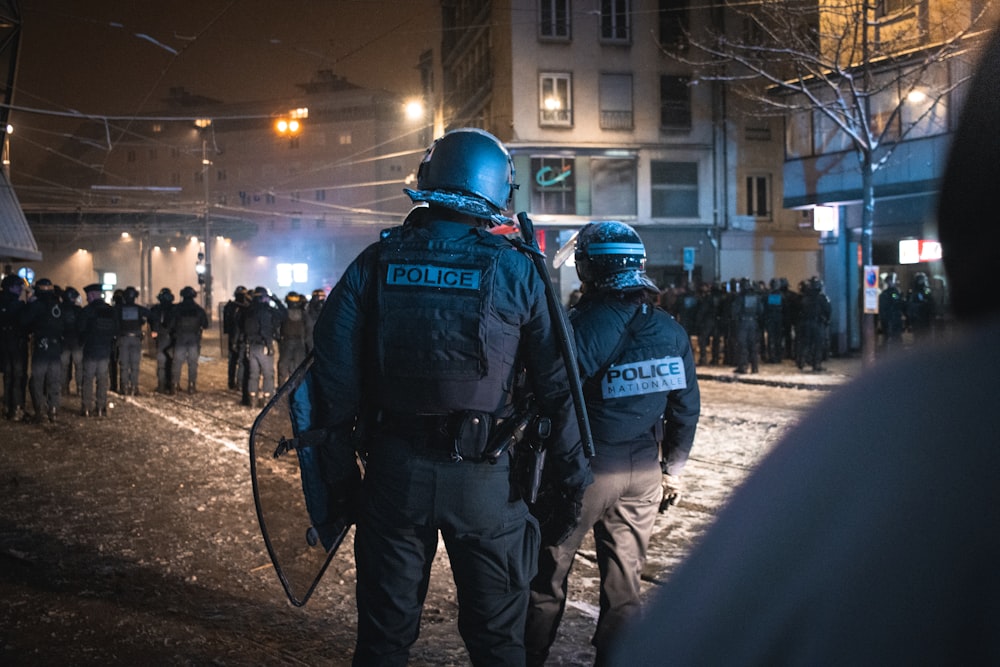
(231, 323)
(260, 325)
(97, 328)
(72, 349)
(891, 314)
(131, 318)
(13, 347)
(292, 337)
(641, 388)
(44, 320)
(161, 323)
(432, 323)
(189, 320)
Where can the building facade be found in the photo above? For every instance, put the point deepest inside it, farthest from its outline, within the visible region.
(604, 122)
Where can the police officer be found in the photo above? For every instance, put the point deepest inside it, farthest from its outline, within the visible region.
(643, 402)
(97, 331)
(747, 309)
(13, 346)
(417, 352)
(44, 321)
(189, 320)
(231, 320)
(920, 310)
(707, 325)
(131, 319)
(261, 325)
(315, 305)
(773, 321)
(161, 323)
(292, 336)
(891, 313)
(72, 349)
(814, 317)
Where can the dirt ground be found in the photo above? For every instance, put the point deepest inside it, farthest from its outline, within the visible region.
(133, 540)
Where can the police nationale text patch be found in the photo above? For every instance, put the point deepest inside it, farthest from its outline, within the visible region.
(429, 275)
(644, 377)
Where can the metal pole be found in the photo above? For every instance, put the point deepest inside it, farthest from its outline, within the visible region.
(208, 232)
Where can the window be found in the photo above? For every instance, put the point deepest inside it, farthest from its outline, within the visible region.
(612, 187)
(616, 101)
(554, 19)
(130, 156)
(615, 21)
(674, 24)
(555, 99)
(321, 195)
(675, 103)
(758, 196)
(924, 111)
(887, 7)
(674, 189)
(553, 186)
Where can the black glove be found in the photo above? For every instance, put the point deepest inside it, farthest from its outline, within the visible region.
(558, 512)
(672, 489)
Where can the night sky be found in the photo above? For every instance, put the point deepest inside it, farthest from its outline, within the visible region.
(122, 56)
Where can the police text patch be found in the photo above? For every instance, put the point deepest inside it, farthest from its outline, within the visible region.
(644, 377)
(429, 275)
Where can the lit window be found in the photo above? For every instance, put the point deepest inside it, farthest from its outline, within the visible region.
(555, 99)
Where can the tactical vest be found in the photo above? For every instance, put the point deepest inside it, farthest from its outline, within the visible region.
(259, 324)
(129, 320)
(440, 345)
(294, 327)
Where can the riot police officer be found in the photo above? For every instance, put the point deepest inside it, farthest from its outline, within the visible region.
(418, 350)
(231, 319)
(160, 325)
(131, 318)
(292, 336)
(814, 318)
(188, 321)
(643, 401)
(315, 305)
(891, 313)
(261, 326)
(774, 323)
(97, 331)
(44, 320)
(72, 349)
(747, 308)
(13, 346)
(920, 308)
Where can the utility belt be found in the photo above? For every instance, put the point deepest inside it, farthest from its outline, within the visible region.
(465, 435)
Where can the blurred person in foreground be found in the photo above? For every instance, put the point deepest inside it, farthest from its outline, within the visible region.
(642, 396)
(418, 350)
(865, 539)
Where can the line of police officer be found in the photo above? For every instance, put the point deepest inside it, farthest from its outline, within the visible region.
(743, 323)
(47, 335)
(257, 322)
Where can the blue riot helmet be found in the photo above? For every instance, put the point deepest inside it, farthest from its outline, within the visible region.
(188, 292)
(130, 294)
(611, 256)
(467, 170)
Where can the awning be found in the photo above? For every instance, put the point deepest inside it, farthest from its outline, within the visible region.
(17, 243)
